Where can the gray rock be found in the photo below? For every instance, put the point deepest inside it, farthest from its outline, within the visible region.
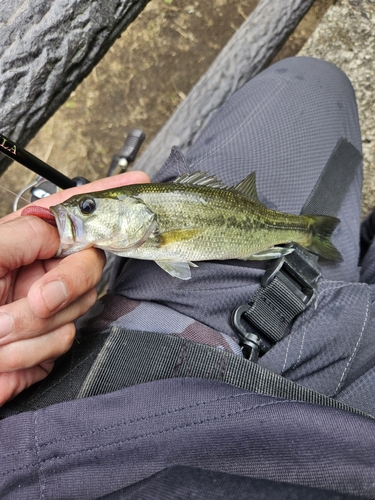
(346, 37)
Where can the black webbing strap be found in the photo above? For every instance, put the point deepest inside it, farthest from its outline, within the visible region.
(289, 284)
(334, 181)
(273, 318)
(133, 357)
(287, 288)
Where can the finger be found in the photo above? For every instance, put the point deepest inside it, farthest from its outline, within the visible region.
(31, 352)
(19, 323)
(24, 240)
(12, 383)
(62, 285)
(133, 177)
(28, 275)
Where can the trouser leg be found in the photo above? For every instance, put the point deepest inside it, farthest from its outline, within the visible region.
(284, 124)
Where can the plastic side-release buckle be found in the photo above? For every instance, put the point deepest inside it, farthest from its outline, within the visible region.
(287, 287)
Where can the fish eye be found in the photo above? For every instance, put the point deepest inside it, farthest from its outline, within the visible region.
(87, 206)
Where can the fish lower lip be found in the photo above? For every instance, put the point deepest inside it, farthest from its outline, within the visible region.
(62, 219)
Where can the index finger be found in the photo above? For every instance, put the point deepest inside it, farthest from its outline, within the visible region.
(133, 177)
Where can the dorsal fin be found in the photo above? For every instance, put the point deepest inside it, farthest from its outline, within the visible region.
(247, 187)
(200, 179)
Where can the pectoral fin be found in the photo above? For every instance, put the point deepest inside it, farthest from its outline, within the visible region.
(179, 270)
(271, 253)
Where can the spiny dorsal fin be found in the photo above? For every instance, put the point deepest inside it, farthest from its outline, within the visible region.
(247, 187)
(200, 179)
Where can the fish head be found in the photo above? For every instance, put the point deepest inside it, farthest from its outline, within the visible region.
(112, 223)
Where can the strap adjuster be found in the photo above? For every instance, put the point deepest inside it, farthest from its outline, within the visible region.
(287, 287)
(299, 271)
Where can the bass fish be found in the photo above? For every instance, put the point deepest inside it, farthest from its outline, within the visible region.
(194, 218)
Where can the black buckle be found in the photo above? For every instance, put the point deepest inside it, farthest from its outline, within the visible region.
(250, 342)
(299, 272)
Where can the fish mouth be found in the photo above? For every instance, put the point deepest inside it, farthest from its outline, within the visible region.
(70, 230)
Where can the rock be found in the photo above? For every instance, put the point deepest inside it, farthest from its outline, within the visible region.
(346, 37)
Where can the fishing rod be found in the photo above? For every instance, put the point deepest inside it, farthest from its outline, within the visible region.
(51, 177)
(15, 152)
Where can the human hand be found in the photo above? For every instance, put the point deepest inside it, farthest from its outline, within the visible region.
(41, 297)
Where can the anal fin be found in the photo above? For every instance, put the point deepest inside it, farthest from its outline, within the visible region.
(179, 270)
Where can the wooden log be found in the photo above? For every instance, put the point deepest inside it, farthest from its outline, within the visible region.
(246, 54)
(47, 47)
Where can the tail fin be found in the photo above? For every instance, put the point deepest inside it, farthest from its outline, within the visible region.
(322, 229)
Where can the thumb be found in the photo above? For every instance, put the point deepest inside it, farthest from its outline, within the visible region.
(24, 240)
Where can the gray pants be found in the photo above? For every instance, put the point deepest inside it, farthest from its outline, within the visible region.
(284, 124)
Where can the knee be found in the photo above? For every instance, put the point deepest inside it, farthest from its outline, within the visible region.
(309, 69)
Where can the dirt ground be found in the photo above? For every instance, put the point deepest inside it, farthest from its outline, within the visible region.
(139, 83)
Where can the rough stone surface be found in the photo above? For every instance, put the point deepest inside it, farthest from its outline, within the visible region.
(346, 37)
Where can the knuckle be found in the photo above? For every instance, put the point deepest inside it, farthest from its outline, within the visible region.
(92, 295)
(82, 272)
(66, 337)
(25, 326)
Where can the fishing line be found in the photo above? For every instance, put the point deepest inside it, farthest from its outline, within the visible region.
(16, 195)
